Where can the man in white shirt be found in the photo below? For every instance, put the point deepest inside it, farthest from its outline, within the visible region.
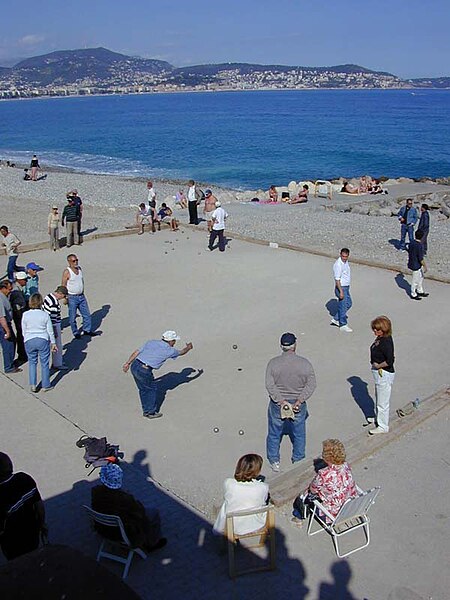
(72, 279)
(12, 243)
(341, 273)
(218, 218)
(195, 196)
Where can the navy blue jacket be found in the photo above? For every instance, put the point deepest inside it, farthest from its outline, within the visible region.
(424, 223)
(415, 255)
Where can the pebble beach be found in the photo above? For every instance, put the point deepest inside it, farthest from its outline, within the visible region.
(110, 204)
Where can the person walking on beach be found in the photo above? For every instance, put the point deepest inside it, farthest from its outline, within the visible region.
(70, 217)
(72, 279)
(407, 215)
(79, 204)
(195, 196)
(417, 265)
(34, 166)
(209, 208)
(12, 243)
(218, 218)
(151, 356)
(7, 337)
(341, 273)
(290, 382)
(424, 226)
(52, 306)
(53, 228)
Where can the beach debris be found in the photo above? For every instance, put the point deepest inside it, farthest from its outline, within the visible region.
(216, 430)
(241, 432)
(273, 245)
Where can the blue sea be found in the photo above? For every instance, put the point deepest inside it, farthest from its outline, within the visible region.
(238, 139)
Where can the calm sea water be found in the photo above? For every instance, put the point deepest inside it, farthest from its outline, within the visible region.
(240, 139)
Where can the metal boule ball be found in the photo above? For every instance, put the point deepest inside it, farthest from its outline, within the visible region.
(239, 369)
(235, 346)
(241, 432)
(216, 430)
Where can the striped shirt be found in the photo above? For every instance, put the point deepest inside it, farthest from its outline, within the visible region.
(71, 213)
(53, 308)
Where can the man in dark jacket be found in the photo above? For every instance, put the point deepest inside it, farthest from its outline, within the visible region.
(424, 226)
(142, 526)
(70, 217)
(418, 267)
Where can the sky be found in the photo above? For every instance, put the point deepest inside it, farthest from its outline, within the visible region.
(406, 37)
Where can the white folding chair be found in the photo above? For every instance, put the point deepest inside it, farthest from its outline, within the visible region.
(352, 516)
(124, 544)
(267, 531)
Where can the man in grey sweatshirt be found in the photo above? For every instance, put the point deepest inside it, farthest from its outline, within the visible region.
(290, 381)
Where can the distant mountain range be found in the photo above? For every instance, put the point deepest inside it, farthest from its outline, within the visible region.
(98, 70)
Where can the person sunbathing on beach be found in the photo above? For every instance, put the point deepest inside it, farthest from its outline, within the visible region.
(365, 184)
(349, 189)
(181, 199)
(376, 188)
(273, 194)
(301, 196)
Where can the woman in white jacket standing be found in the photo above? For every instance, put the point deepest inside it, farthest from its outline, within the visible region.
(244, 492)
(39, 341)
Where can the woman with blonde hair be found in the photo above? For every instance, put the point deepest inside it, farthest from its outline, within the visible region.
(382, 362)
(39, 341)
(244, 492)
(333, 484)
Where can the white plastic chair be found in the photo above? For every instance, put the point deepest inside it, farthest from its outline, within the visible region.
(352, 516)
(124, 544)
(267, 531)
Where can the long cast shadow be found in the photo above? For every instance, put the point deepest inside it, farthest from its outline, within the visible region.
(360, 391)
(338, 589)
(332, 307)
(402, 283)
(170, 381)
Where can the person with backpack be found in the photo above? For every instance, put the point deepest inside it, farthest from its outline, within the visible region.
(195, 197)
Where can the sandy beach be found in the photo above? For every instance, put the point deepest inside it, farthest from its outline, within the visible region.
(110, 204)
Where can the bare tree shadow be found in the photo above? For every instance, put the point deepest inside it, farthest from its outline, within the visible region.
(332, 307)
(170, 381)
(402, 283)
(338, 589)
(360, 391)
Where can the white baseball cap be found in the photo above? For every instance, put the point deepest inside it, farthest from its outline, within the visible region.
(170, 336)
(20, 275)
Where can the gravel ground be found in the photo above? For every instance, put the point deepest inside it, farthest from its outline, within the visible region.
(110, 204)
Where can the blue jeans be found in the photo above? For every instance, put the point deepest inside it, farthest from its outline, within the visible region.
(344, 305)
(38, 347)
(8, 349)
(146, 384)
(295, 429)
(11, 267)
(406, 229)
(79, 302)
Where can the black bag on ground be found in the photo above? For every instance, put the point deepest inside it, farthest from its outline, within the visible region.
(98, 452)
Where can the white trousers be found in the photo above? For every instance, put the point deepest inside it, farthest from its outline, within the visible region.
(383, 387)
(416, 284)
(57, 356)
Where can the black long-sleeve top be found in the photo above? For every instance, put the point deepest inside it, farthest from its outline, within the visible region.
(382, 350)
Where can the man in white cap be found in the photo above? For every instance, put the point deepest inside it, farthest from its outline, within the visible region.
(218, 218)
(151, 356)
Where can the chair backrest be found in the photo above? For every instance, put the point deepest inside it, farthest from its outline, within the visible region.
(356, 507)
(251, 511)
(109, 521)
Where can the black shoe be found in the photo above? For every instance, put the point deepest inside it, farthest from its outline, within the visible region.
(91, 333)
(77, 336)
(423, 294)
(155, 415)
(416, 297)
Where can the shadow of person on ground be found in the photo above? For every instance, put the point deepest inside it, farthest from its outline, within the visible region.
(88, 231)
(190, 561)
(172, 380)
(138, 463)
(338, 589)
(402, 283)
(394, 242)
(75, 351)
(360, 391)
(332, 307)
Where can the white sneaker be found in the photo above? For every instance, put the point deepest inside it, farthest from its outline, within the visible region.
(334, 322)
(376, 431)
(275, 466)
(346, 328)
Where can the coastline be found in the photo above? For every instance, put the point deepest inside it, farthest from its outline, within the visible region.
(110, 204)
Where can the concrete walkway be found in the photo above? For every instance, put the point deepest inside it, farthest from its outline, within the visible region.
(138, 287)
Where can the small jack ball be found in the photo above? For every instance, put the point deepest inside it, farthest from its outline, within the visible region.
(234, 346)
(241, 432)
(216, 430)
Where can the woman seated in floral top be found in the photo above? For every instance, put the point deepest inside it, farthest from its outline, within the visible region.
(333, 484)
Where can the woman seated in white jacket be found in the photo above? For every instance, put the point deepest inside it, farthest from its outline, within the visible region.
(244, 492)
